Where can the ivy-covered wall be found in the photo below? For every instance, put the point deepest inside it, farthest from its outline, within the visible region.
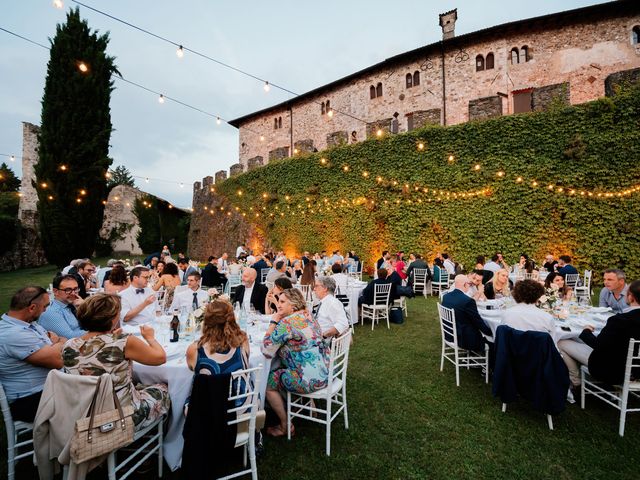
(565, 181)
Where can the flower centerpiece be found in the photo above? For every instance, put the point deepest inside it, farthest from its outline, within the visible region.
(197, 315)
(550, 298)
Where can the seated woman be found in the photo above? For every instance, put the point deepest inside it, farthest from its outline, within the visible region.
(525, 315)
(117, 281)
(234, 268)
(295, 337)
(498, 286)
(297, 271)
(271, 301)
(556, 281)
(309, 274)
(223, 347)
(169, 279)
(530, 270)
(104, 349)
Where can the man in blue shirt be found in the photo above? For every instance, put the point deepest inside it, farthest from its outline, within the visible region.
(60, 317)
(564, 266)
(614, 293)
(27, 352)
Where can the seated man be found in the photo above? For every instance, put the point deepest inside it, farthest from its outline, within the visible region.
(366, 296)
(251, 293)
(525, 315)
(341, 279)
(614, 293)
(469, 325)
(184, 269)
(27, 352)
(192, 297)
(564, 266)
(606, 354)
(419, 262)
(138, 300)
(60, 317)
(329, 312)
(279, 271)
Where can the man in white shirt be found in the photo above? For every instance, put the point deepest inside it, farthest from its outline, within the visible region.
(192, 297)
(493, 265)
(240, 251)
(449, 266)
(251, 293)
(329, 312)
(525, 315)
(138, 301)
(222, 263)
(341, 279)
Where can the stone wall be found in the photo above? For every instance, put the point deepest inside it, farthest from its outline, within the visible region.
(337, 138)
(581, 50)
(304, 146)
(483, 108)
(420, 118)
(620, 78)
(544, 97)
(119, 215)
(280, 152)
(29, 198)
(255, 162)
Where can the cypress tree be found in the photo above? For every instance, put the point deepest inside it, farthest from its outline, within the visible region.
(74, 141)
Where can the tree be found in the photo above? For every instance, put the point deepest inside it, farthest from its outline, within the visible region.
(74, 141)
(120, 176)
(8, 180)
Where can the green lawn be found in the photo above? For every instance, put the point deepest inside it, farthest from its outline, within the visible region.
(409, 421)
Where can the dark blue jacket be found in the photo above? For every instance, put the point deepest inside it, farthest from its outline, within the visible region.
(568, 269)
(528, 364)
(469, 323)
(366, 297)
(258, 267)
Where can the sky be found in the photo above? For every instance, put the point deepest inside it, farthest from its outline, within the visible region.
(300, 45)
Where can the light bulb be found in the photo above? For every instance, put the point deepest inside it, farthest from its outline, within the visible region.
(182, 185)
(161, 98)
(146, 179)
(379, 132)
(13, 158)
(330, 113)
(180, 52)
(218, 121)
(262, 138)
(266, 87)
(421, 146)
(83, 67)
(58, 3)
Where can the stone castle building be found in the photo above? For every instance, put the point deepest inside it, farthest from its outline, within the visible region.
(511, 68)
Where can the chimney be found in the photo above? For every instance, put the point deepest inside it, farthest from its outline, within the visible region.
(448, 23)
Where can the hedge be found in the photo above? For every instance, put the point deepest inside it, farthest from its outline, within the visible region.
(565, 181)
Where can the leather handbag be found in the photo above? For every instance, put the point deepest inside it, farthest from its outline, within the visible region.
(102, 433)
(395, 315)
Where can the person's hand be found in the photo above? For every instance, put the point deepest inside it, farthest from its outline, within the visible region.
(53, 337)
(591, 328)
(77, 301)
(147, 332)
(150, 299)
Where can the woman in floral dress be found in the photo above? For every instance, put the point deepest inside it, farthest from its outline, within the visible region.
(105, 350)
(304, 357)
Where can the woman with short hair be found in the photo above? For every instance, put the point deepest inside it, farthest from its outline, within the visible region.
(117, 281)
(105, 349)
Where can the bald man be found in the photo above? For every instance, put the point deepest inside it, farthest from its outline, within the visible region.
(469, 325)
(251, 293)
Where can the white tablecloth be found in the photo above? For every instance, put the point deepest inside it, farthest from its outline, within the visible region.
(353, 291)
(575, 323)
(176, 374)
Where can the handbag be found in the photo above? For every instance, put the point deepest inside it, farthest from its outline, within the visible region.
(395, 315)
(97, 435)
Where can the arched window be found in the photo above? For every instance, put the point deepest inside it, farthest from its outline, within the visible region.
(479, 63)
(488, 63)
(279, 122)
(379, 89)
(328, 106)
(409, 80)
(515, 56)
(372, 92)
(416, 78)
(525, 54)
(322, 110)
(635, 35)
(275, 123)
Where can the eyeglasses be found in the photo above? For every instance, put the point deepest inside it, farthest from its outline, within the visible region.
(68, 290)
(35, 297)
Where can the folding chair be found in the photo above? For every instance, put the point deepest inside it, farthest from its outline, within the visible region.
(380, 307)
(15, 430)
(618, 396)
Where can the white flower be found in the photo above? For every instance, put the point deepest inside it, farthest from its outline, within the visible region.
(554, 287)
(213, 292)
(198, 312)
(543, 299)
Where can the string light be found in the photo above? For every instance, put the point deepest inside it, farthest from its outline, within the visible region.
(63, 168)
(323, 161)
(83, 192)
(83, 67)
(421, 146)
(218, 121)
(451, 158)
(180, 52)
(330, 113)
(161, 98)
(13, 158)
(500, 174)
(58, 4)
(379, 132)
(43, 185)
(476, 167)
(266, 87)
(262, 138)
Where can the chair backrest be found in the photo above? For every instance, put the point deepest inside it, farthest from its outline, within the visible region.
(448, 325)
(571, 279)
(587, 279)
(444, 277)
(244, 394)
(305, 289)
(633, 361)
(419, 276)
(381, 293)
(528, 276)
(6, 414)
(339, 359)
(263, 274)
(234, 280)
(269, 285)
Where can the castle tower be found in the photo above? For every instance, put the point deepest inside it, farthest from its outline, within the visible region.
(27, 209)
(448, 23)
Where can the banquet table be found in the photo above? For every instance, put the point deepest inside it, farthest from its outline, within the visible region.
(354, 288)
(176, 374)
(492, 312)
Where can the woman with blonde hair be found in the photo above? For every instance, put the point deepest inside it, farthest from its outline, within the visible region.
(296, 338)
(498, 286)
(104, 349)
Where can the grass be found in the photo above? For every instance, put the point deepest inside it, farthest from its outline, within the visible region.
(408, 420)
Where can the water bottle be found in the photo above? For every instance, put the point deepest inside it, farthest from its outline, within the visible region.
(175, 327)
(243, 319)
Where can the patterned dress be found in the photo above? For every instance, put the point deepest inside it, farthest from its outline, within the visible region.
(105, 354)
(303, 354)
